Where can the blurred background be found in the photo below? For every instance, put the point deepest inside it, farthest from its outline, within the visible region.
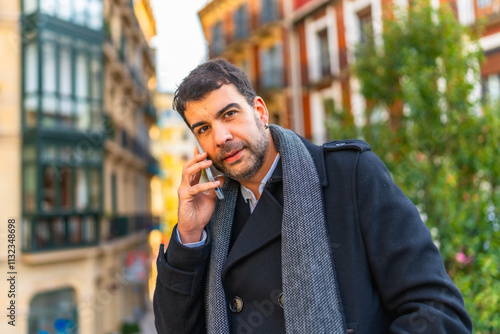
(92, 151)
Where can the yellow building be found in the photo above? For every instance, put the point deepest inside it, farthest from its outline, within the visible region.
(173, 145)
(74, 124)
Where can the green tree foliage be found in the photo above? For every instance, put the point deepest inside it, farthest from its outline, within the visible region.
(441, 143)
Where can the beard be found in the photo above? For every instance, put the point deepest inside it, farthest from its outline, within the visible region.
(257, 150)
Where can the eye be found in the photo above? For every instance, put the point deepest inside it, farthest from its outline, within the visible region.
(203, 129)
(229, 113)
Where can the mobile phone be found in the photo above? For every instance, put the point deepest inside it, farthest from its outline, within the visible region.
(210, 175)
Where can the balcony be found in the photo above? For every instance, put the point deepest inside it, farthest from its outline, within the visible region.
(121, 226)
(64, 232)
(125, 140)
(61, 231)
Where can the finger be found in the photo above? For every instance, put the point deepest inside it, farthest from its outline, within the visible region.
(192, 174)
(222, 179)
(203, 188)
(195, 159)
(193, 165)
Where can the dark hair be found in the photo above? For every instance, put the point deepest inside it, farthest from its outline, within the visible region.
(208, 77)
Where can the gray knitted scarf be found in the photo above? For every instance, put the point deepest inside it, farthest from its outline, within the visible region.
(311, 300)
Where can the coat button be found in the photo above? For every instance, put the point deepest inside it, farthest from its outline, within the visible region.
(236, 305)
(281, 300)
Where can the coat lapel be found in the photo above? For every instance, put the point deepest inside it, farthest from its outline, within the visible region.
(262, 227)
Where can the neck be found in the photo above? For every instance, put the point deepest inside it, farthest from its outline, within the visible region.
(254, 183)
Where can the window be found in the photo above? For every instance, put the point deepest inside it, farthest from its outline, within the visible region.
(137, 68)
(65, 86)
(218, 43)
(64, 12)
(245, 67)
(49, 100)
(79, 12)
(71, 83)
(141, 189)
(272, 67)
(65, 189)
(483, 3)
(71, 180)
(94, 14)
(29, 6)
(31, 68)
(82, 91)
(95, 188)
(53, 312)
(26, 237)
(492, 88)
(87, 13)
(29, 182)
(241, 22)
(31, 76)
(81, 75)
(48, 200)
(466, 10)
(365, 24)
(48, 6)
(123, 48)
(324, 53)
(81, 190)
(269, 11)
(56, 188)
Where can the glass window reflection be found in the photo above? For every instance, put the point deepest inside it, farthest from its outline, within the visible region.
(87, 13)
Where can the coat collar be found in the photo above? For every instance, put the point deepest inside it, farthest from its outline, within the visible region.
(319, 160)
(317, 155)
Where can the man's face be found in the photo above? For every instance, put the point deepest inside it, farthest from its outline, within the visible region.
(231, 131)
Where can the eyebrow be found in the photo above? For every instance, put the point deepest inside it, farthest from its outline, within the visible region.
(218, 114)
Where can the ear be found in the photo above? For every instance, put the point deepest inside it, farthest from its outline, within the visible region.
(260, 107)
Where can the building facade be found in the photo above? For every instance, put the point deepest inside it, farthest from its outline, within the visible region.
(75, 124)
(315, 42)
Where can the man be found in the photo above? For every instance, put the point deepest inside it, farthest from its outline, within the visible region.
(308, 239)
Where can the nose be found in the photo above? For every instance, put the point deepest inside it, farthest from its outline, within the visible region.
(221, 134)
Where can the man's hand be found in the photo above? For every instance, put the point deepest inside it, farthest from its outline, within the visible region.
(196, 200)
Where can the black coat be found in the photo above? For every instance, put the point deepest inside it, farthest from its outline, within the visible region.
(390, 274)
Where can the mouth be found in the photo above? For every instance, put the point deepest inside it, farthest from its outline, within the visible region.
(232, 156)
